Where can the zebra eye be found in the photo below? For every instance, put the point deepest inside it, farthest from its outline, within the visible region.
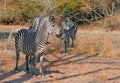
(53, 25)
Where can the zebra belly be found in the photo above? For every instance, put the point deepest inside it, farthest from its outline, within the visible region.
(28, 49)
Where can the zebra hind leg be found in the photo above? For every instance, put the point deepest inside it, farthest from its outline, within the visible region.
(17, 59)
(34, 64)
(65, 46)
(68, 42)
(38, 58)
(27, 58)
(72, 42)
(73, 37)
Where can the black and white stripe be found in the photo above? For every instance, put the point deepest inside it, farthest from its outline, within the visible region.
(69, 30)
(34, 42)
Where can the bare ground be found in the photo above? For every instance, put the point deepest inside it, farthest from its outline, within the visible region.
(62, 68)
(74, 67)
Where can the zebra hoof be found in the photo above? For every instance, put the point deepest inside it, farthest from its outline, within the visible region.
(43, 75)
(16, 71)
(33, 76)
(64, 52)
(30, 60)
(71, 46)
(27, 72)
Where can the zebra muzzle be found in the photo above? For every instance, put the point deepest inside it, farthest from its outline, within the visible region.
(58, 35)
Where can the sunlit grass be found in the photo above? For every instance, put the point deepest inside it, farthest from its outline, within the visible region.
(89, 43)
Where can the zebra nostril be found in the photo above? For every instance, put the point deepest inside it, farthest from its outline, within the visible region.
(58, 35)
(53, 25)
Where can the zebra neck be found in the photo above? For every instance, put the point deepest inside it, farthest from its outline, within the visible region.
(42, 38)
(43, 41)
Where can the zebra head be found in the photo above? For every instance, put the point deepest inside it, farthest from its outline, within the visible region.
(52, 27)
(64, 25)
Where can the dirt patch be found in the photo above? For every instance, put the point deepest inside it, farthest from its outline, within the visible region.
(62, 68)
(8, 28)
(95, 59)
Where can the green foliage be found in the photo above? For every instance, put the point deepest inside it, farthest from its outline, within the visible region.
(19, 12)
(66, 7)
(22, 11)
(29, 9)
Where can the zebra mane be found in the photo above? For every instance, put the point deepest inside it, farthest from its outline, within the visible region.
(42, 23)
(41, 28)
(35, 24)
(64, 25)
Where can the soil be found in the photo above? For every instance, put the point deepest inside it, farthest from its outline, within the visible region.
(62, 68)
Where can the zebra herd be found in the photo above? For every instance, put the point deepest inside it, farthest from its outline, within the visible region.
(33, 42)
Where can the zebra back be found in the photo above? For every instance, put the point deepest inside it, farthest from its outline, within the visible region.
(25, 41)
(70, 23)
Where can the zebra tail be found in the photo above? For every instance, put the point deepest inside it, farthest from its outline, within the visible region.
(16, 39)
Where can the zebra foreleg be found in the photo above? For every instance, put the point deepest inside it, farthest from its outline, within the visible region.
(34, 64)
(72, 42)
(67, 42)
(41, 66)
(30, 58)
(17, 59)
(38, 57)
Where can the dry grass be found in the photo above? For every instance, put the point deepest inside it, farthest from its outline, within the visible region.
(7, 44)
(76, 68)
(85, 45)
(93, 44)
(89, 43)
(108, 24)
(107, 48)
(55, 44)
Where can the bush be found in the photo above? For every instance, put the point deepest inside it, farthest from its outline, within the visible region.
(22, 11)
(29, 9)
(19, 12)
(83, 11)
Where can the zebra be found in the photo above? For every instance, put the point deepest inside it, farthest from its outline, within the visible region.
(33, 28)
(34, 43)
(69, 30)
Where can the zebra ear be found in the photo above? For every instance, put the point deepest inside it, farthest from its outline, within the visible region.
(51, 18)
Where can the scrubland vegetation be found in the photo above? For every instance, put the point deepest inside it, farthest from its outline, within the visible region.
(95, 57)
(94, 14)
(83, 11)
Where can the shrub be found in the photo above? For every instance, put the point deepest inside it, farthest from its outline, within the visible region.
(18, 12)
(22, 11)
(29, 9)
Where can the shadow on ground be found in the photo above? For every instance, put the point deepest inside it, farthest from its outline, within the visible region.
(58, 59)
